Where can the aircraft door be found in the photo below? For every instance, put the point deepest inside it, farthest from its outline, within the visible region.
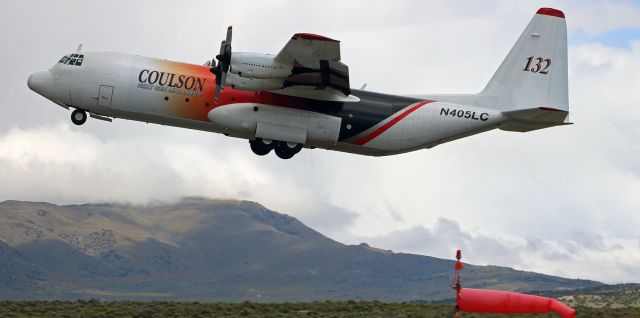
(104, 95)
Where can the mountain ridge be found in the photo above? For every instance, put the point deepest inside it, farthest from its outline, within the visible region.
(224, 250)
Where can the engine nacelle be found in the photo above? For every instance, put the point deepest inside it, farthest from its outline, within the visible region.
(255, 65)
(253, 84)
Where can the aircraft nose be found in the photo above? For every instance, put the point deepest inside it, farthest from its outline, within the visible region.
(39, 82)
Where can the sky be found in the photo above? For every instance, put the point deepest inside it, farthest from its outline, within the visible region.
(561, 201)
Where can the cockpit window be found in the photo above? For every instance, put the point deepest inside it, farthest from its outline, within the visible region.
(72, 59)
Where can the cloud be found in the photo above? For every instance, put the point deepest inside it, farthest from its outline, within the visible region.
(586, 255)
(59, 164)
(590, 241)
(600, 16)
(444, 239)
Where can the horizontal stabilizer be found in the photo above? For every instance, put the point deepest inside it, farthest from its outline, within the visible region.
(524, 120)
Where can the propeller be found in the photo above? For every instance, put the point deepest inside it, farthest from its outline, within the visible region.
(222, 67)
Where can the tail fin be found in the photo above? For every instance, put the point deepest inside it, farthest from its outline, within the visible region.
(531, 85)
(534, 73)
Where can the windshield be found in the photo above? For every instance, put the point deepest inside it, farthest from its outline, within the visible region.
(72, 59)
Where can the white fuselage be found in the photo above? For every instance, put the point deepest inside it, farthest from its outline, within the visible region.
(178, 94)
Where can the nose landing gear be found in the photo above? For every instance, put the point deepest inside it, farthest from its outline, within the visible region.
(283, 149)
(79, 116)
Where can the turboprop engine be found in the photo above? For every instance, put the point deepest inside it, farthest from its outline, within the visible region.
(259, 66)
(247, 71)
(253, 84)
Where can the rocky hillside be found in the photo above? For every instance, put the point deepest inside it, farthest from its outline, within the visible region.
(200, 249)
(606, 296)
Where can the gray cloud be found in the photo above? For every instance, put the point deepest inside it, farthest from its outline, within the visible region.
(328, 218)
(444, 239)
(590, 241)
(586, 254)
(555, 256)
(539, 246)
(393, 212)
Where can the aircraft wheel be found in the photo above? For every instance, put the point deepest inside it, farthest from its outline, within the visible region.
(260, 146)
(292, 146)
(286, 150)
(79, 116)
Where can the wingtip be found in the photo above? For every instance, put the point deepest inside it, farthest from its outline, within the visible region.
(316, 37)
(551, 12)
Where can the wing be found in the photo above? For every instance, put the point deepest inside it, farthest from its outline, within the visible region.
(316, 63)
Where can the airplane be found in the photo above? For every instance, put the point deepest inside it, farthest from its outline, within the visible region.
(301, 97)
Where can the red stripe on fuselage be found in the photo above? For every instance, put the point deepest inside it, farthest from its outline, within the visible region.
(389, 124)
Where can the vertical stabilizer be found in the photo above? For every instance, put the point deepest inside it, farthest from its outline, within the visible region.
(534, 73)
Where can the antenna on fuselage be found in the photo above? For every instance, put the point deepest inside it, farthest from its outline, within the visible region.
(79, 48)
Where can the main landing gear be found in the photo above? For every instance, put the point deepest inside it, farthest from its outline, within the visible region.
(283, 149)
(78, 116)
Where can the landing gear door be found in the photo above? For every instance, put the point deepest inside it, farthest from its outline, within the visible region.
(281, 133)
(104, 96)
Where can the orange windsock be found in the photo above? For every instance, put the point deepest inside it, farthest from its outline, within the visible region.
(503, 302)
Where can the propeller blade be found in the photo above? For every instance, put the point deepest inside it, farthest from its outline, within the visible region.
(224, 79)
(216, 96)
(220, 87)
(227, 50)
(222, 49)
(229, 33)
(224, 62)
